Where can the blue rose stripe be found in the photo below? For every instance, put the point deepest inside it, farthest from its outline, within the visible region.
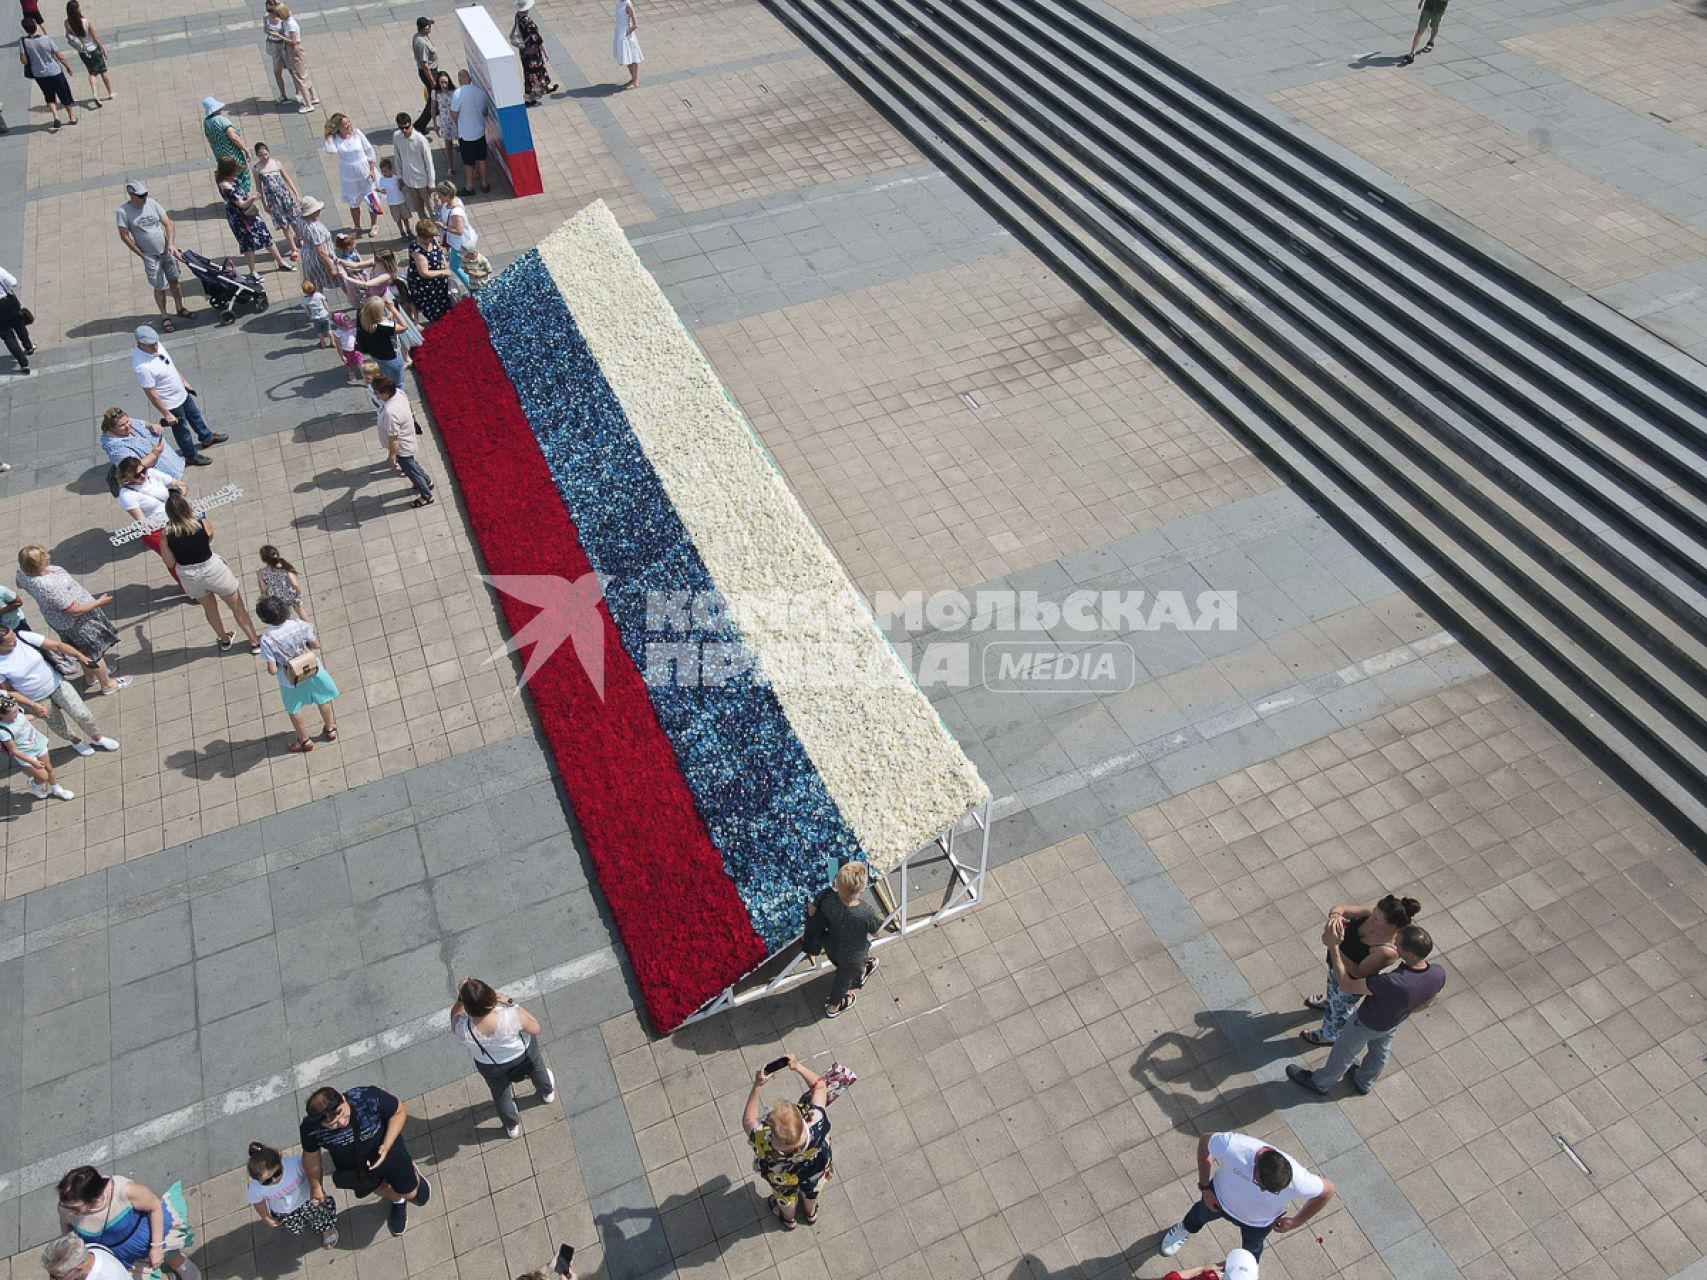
(767, 810)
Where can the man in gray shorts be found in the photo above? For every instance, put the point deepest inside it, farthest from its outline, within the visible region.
(148, 233)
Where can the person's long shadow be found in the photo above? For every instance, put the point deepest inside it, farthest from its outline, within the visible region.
(1367, 60)
(1031, 1267)
(220, 759)
(1186, 1074)
(594, 91)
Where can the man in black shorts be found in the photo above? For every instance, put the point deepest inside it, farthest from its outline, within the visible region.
(469, 107)
(362, 1130)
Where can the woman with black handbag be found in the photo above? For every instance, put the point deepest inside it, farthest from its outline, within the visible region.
(503, 1038)
(15, 322)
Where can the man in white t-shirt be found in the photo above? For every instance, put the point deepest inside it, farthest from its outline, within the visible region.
(469, 106)
(72, 1258)
(36, 686)
(163, 383)
(1250, 1189)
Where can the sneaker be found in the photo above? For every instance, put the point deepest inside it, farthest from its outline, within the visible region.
(1429, 47)
(424, 1192)
(107, 744)
(200, 460)
(5, 467)
(218, 437)
(1174, 1240)
(398, 1218)
(512, 1131)
(1360, 1086)
(37, 789)
(550, 1095)
(82, 748)
(60, 793)
(119, 682)
(305, 110)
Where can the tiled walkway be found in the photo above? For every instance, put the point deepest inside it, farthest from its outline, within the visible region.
(213, 927)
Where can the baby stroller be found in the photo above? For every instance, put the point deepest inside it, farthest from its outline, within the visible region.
(226, 288)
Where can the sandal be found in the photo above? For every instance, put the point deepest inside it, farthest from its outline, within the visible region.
(255, 649)
(225, 642)
(809, 1219)
(1317, 1003)
(787, 1223)
(1315, 1037)
(331, 735)
(167, 325)
(301, 745)
(837, 1010)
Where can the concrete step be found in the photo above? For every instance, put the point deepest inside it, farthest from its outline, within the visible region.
(1593, 612)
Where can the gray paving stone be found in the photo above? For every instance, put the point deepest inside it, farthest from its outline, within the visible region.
(153, 1009)
(604, 1142)
(389, 862)
(73, 1033)
(67, 1111)
(238, 978)
(222, 850)
(319, 950)
(408, 985)
(630, 1231)
(243, 1047)
(395, 922)
(65, 973)
(151, 943)
(146, 877)
(309, 890)
(156, 1081)
(61, 902)
(330, 1016)
(232, 916)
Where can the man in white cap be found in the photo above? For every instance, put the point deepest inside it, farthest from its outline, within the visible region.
(163, 383)
(1240, 1265)
(148, 233)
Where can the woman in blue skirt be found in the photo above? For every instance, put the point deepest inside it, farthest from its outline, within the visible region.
(283, 647)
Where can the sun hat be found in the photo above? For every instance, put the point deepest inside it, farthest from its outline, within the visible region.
(1241, 1265)
(210, 105)
(136, 187)
(146, 336)
(311, 206)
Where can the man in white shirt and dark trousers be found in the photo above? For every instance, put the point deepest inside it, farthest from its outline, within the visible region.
(1250, 1189)
(13, 328)
(163, 383)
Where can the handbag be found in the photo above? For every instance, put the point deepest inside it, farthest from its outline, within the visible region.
(26, 317)
(374, 204)
(358, 1182)
(303, 667)
(63, 663)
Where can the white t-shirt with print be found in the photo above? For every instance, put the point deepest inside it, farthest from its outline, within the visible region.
(288, 1194)
(1236, 1183)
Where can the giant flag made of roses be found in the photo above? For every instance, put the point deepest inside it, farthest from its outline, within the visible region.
(729, 722)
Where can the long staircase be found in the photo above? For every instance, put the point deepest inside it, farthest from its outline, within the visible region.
(1538, 481)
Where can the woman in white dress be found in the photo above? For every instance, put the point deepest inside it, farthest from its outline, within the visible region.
(625, 43)
(357, 169)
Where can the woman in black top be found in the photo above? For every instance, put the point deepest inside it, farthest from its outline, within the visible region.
(1369, 946)
(377, 326)
(188, 545)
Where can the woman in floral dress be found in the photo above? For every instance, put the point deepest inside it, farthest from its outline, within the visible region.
(279, 195)
(429, 274)
(527, 41)
(246, 223)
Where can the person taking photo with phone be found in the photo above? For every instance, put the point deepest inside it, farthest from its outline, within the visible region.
(791, 1144)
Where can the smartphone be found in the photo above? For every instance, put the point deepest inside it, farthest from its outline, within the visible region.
(565, 1256)
(775, 1065)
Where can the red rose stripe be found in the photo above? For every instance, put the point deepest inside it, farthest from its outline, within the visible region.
(682, 923)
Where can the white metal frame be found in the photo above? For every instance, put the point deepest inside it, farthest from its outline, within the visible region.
(965, 890)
